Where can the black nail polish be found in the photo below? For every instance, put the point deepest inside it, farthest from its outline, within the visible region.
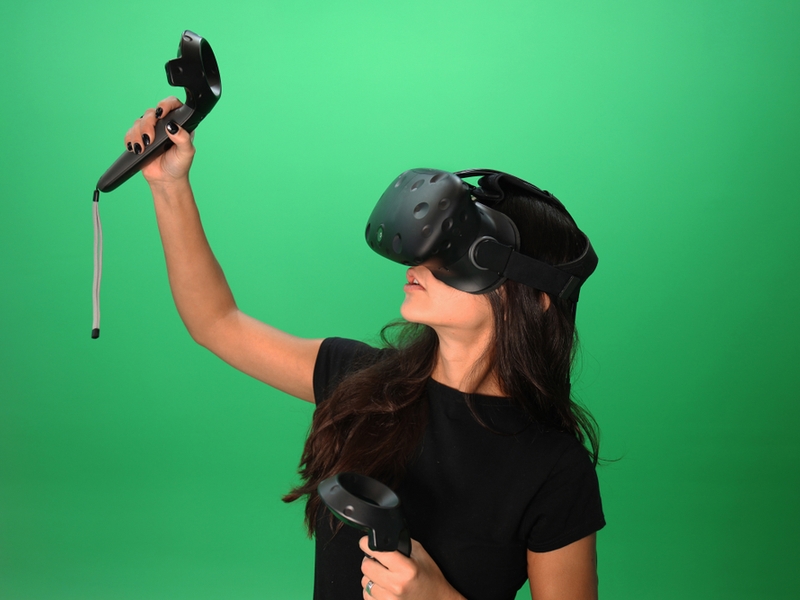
(146, 140)
(137, 149)
(159, 112)
(172, 127)
(130, 147)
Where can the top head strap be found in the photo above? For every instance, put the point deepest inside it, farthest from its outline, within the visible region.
(492, 187)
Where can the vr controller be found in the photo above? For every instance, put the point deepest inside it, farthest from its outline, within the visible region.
(370, 506)
(196, 70)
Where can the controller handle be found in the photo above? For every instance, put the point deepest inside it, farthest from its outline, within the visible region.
(370, 506)
(196, 70)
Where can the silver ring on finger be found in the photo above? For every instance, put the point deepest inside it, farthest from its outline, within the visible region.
(368, 589)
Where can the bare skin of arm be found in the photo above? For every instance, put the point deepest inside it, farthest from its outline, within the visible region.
(569, 573)
(201, 293)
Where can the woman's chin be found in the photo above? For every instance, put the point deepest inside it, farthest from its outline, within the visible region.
(408, 312)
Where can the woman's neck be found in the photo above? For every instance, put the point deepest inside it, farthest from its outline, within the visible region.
(460, 364)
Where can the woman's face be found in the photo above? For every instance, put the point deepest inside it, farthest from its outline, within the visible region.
(430, 302)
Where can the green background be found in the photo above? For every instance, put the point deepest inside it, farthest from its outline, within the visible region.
(139, 466)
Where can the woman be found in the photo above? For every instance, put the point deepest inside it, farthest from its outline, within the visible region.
(467, 414)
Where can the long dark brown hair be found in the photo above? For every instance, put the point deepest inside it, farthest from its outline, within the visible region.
(374, 419)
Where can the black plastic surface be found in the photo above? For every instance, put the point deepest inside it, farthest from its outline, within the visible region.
(436, 219)
(370, 506)
(196, 70)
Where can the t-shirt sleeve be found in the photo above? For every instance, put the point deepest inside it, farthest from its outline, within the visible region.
(337, 358)
(567, 507)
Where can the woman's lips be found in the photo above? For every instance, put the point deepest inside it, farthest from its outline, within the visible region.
(413, 283)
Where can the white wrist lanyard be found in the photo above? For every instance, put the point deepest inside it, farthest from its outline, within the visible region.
(98, 265)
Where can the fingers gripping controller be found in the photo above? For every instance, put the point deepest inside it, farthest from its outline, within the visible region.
(196, 71)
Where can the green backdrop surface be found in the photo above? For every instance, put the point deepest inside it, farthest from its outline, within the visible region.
(139, 466)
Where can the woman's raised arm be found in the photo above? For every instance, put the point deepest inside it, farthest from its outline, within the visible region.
(199, 288)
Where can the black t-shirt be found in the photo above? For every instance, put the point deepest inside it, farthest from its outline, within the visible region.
(475, 499)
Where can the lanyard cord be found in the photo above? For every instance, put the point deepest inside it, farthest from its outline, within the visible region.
(98, 265)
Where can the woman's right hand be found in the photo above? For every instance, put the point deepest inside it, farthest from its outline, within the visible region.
(174, 164)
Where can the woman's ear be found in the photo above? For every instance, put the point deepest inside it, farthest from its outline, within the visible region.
(545, 301)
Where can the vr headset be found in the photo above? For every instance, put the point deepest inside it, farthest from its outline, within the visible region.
(436, 219)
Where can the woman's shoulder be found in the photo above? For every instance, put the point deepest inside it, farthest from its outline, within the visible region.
(337, 358)
(338, 352)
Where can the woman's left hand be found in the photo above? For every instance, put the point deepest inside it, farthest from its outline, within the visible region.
(395, 576)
